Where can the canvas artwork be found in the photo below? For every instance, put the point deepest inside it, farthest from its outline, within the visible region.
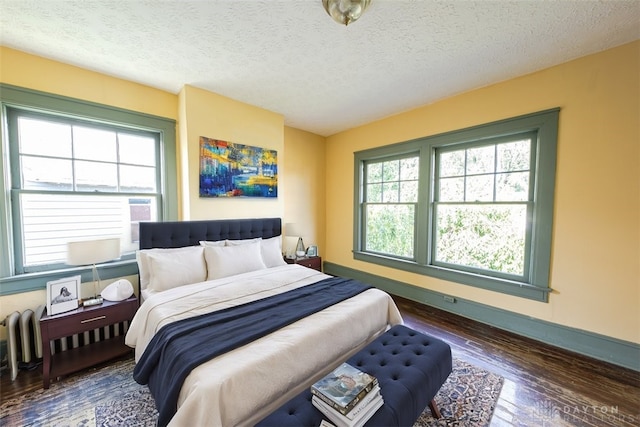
(228, 169)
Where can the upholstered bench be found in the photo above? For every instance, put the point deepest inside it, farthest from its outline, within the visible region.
(410, 367)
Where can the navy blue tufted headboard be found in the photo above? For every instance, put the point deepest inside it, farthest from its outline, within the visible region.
(177, 234)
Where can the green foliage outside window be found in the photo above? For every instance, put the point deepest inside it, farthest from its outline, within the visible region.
(481, 205)
(473, 206)
(484, 237)
(392, 193)
(390, 229)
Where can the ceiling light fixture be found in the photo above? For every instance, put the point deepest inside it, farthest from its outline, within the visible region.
(345, 11)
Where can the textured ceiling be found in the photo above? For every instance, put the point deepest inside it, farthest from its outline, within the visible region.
(290, 57)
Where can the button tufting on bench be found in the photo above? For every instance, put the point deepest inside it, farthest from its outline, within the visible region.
(410, 367)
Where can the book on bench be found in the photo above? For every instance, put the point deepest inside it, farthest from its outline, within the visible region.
(358, 416)
(344, 389)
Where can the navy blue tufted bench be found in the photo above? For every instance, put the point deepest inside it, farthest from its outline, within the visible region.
(410, 367)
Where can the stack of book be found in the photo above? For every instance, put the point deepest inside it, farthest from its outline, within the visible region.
(347, 396)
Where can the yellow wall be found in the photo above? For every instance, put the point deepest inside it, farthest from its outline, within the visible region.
(33, 72)
(197, 112)
(214, 116)
(596, 240)
(24, 70)
(595, 271)
(305, 183)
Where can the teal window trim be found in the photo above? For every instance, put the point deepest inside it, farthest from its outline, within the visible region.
(13, 115)
(36, 281)
(17, 97)
(536, 285)
(494, 142)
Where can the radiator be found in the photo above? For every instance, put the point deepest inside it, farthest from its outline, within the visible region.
(24, 338)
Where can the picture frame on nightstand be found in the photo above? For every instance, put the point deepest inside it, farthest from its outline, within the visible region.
(63, 295)
(312, 251)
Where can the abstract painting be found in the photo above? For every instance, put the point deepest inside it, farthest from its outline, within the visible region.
(228, 169)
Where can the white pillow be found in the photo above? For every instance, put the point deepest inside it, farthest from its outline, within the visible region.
(224, 261)
(271, 250)
(212, 243)
(142, 256)
(169, 269)
(242, 241)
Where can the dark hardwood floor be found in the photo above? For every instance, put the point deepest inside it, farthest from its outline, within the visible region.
(544, 385)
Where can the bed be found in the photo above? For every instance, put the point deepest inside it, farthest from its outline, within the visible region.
(202, 271)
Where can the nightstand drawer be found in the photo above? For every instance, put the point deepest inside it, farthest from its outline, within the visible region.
(64, 324)
(87, 320)
(312, 262)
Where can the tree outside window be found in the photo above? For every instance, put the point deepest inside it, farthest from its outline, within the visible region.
(473, 206)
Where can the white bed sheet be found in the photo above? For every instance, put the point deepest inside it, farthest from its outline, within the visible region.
(246, 384)
(145, 294)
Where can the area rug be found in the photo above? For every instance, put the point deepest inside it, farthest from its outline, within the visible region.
(109, 397)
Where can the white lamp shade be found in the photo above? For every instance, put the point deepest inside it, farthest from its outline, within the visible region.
(292, 230)
(88, 252)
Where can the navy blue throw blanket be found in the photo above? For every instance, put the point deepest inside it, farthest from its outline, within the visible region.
(179, 347)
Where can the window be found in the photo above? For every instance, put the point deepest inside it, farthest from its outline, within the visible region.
(473, 206)
(391, 193)
(74, 180)
(79, 171)
(483, 196)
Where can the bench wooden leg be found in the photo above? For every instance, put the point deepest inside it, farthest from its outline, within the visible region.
(434, 409)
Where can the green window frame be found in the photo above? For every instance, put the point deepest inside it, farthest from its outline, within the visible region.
(443, 189)
(390, 201)
(25, 104)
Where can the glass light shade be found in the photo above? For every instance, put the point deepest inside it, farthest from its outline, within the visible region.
(345, 11)
(300, 251)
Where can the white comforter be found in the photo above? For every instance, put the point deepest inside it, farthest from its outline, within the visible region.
(246, 384)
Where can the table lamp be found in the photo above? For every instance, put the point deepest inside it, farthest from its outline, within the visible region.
(292, 230)
(92, 252)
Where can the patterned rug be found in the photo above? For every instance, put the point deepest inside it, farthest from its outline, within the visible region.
(109, 397)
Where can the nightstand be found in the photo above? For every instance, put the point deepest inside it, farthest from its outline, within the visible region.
(81, 320)
(314, 262)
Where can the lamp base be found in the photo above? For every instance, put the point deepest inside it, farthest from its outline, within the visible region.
(300, 251)
(92, 301)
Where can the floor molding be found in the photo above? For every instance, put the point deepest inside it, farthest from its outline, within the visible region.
(601, 347)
